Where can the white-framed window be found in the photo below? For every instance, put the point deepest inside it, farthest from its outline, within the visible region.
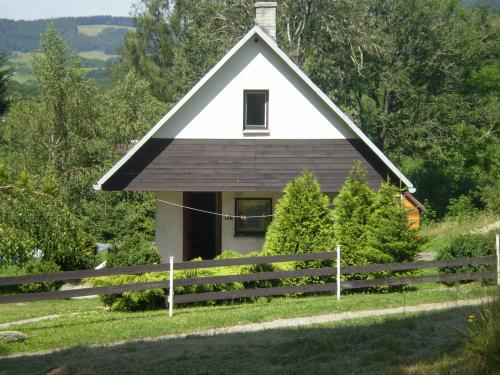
(255, 109)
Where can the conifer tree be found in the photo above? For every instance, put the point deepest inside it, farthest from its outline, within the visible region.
(302, 221)
(351, 213)
(389, 236)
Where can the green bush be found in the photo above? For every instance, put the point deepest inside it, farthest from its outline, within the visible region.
(490, 197)
(467, 246)
(154, 299)
(462, 209)
(31, 267)
(132, 301)
(132, 250)
(41, 266)
(429, 216)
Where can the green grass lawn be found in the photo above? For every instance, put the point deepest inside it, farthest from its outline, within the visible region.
(93, 325)
(425, 343)
(93, 30)
(95, 54)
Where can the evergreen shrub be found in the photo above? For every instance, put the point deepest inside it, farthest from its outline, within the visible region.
(352, 210)
(154, 299)
(132, 250)
(302, 223)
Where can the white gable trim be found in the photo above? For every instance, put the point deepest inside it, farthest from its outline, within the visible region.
(272, 44)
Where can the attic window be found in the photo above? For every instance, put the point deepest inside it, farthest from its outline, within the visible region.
(255, 109)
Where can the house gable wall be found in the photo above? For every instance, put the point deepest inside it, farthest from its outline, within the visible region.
(216, 110)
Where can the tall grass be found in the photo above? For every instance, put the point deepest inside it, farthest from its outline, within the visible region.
(439, 235)
(483, 338)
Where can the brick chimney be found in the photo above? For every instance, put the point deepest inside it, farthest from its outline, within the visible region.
(265, 17)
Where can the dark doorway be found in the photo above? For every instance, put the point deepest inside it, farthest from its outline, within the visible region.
(202, 231)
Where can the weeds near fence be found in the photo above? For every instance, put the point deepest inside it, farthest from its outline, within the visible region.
(483, 337)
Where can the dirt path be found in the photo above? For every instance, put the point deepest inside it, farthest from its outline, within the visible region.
(487, 228)
(31, 320)
(289, 323)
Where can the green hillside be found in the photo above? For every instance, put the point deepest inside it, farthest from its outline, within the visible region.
(93, 30)
(103, 33)
(95, 39)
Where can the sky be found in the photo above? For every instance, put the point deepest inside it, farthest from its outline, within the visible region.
(36, 9)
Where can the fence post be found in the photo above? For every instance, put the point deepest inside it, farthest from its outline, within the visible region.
(338, 272)
(497, 245)
(171, 288)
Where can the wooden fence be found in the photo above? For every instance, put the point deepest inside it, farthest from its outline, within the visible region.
(334, 287)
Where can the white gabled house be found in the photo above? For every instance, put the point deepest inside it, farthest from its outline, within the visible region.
(249, 126)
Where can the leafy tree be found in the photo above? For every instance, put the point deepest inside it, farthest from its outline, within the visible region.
(353, 207)
(71, 132)
(4, 102)
(175, 43)
(148, 49)
(427, 95)
(16, 246)
(32, 221)
(67, 104)
(129, 109)
(302, 220)
(57, 132)
(134, 110)
(389, 237)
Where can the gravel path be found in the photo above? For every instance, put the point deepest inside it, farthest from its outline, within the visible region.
(292, 322)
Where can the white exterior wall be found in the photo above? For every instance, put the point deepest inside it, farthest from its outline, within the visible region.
(241, 244)
(168, 225)
(216, 110)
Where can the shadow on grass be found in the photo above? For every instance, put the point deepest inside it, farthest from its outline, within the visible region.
(377, 345)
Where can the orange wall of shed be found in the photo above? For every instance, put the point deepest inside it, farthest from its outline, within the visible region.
(413, 213)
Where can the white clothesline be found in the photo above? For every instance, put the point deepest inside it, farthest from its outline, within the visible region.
(242, 217)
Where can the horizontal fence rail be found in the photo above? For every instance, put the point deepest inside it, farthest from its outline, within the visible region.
(256, 292)
(171, 283)
(490, 259)
(133, 270)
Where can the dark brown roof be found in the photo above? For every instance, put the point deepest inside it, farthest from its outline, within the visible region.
(415, 202)
(243, 165)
